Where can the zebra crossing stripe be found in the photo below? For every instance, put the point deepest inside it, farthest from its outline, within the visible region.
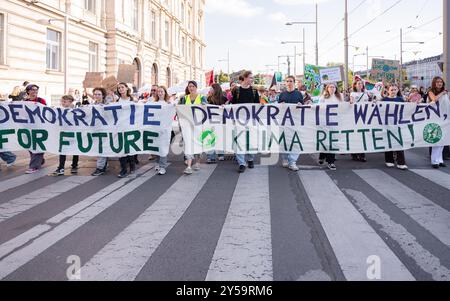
(24, 179)
(436, 176)
(351, 237)
(32, 199)
(20, 257)
(244, 249)
(38, 230)
(123, 258)
(409, 244)
(429, 215)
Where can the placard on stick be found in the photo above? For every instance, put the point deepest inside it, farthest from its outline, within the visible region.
(126, 73)
(110, 83)
(93, 79)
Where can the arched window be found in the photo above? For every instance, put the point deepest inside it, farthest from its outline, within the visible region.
(154, 74)
(137, 75)
(168, 77)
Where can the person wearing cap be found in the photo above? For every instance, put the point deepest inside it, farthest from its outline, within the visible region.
(36, 159)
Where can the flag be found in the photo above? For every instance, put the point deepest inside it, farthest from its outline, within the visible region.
(274, 81)
(209, 78)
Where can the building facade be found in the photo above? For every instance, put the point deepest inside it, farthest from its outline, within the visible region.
(164, 39)
(421, 72)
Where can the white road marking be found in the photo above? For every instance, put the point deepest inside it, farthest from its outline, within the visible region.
(436, 176)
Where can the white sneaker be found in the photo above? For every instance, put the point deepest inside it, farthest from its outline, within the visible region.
(285, 164)
(162, 171)
(402, 167)
(390, 165)
(294, 167)
(188, 171)
(196, 167)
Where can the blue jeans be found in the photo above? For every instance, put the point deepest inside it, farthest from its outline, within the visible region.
(162, 162)
(8, 157)
(212, 155)
(242, 159)
(291, 158)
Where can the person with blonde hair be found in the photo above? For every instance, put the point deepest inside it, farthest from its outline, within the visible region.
(15, 94)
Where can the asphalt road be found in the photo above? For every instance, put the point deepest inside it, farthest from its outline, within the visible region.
(361, 222)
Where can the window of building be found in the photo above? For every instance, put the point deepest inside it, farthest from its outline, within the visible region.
(167, 34)
(153, 25)
(200, 54)
(93, 57)
(183, 46)
(89, 5)
(182, 13)
(53, 52)
(189, 20)
(190, 50)
(199, 26)
(2, 39)
(135, 19)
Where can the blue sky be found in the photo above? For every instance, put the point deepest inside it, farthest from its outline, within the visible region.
(253, 30)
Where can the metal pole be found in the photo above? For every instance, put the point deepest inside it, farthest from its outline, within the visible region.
(66, 49)
(295, 60)
(304, 51)
(401, 58)
(289, 65)
(317, 35)
(367, 62)
(278, 63)
(446, 57)
(346, 46)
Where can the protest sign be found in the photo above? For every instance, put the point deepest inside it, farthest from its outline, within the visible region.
(126, 73)
(327, 128)
(385, 70)
(108, 131)
(110, 83)
(331, 74)
(312, 80)
(93, 80)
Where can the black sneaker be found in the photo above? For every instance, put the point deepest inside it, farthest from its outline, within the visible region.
(74, 170)
(98, 172)
(442, 165)
(58, 172)
(321, 162)
(241, 168)
(251, 164)
(435, 166)
(123, 174)
(332, 167)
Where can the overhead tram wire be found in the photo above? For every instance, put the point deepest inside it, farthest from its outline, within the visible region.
(364, 26)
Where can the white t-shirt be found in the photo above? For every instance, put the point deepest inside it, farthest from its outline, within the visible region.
(332, 100)
(359, 97)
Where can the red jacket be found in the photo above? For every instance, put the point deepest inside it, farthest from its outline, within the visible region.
(38, 99)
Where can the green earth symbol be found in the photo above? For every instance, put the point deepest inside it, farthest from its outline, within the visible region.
(432, 133)
(208, 138)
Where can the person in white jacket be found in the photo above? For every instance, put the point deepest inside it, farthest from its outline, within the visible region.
(437, 94)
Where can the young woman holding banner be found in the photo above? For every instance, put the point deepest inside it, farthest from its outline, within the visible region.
(330, 95)
(99, 96)
(437, 94)
(393, 95)
(192, 98)
(359, 95)
(125, 96)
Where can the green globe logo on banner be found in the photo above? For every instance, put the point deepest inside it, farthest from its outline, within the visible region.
(208, 138)
(432, 133)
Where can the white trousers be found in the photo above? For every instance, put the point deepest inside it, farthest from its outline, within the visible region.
(437, 155)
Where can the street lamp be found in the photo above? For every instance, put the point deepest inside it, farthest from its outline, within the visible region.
(295, 51)
(317, 33)
(227, 60)
(401, 53)
(288, 62)
(47, 22)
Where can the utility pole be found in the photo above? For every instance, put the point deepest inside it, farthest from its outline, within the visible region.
(367, 62)
(295, 60)
(289, 65)
(401, 58)
(304, 51)
(346, 46)
(446, 42)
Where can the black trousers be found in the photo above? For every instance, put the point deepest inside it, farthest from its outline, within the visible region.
(62, 161)
(124, 161)
(330, 158)
(389, 157)
(447, 152)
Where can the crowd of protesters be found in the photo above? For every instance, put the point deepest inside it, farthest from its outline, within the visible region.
(244, 92)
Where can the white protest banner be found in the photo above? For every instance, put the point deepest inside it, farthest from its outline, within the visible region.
(114, 130)
(331, 75)
(327, 128)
